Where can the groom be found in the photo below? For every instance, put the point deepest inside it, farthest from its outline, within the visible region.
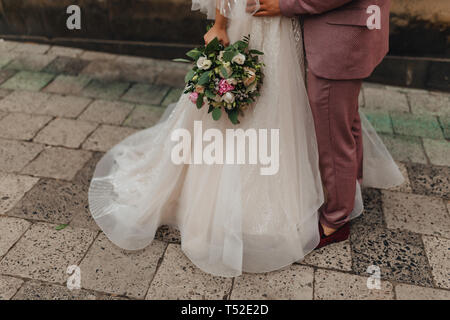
(341, 50)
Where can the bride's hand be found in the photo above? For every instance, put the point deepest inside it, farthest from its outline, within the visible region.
(217, 31)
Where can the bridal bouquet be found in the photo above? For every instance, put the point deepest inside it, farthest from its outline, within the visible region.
(224, 79)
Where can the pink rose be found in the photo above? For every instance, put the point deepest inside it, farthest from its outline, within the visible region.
(193, 97)
(224, 87)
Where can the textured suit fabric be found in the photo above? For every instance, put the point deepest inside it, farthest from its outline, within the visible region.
(334, 104)
(337, 41)
(340, 51)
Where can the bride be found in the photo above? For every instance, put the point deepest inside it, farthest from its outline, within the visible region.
(231, 218)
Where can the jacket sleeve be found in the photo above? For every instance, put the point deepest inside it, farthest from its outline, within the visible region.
(290, 8)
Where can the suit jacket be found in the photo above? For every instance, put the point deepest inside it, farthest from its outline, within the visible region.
(338, 43)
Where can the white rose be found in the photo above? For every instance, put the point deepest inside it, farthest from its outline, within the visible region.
(228, 97)
(203, 63)
(239, 59)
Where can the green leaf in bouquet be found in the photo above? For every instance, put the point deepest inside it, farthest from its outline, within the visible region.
(189, 76)
(241, 45)
(194, 54)
(200, 100)
(209, 94)
(229, 55)
(253, 51)
(217, 113)
(224, 72)
(181, 60)
(233, 116)
(213, 45)
(204, 78)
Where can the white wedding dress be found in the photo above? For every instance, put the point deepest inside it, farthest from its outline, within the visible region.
(231, 218)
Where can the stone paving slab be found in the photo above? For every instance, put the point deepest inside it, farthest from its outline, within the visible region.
(445, 124)
(399, 254)
(144, 117)
(438, 151)
(66, 65)
(108, 268)
(52, 201)
(6, 74)
(65, 51)
(66, 84)
(34, 290)
(343, 286)
(107, 112)
(4, 92)
(427, 103)
(24, 102)
(336, 256)
(12, 189)
(28, 62)
(57, 163)
(168, 234)
(14, 155)
(430, 180)
(22, 126)
(418, 126)
(27, 80)
(31, 48)
(381, 121)
(292, 283)
(409, 292)
(6, 58)
(64, 106)
(405, 148)
(44, 253)
(105, 89)
(6, 46)
(438, 252)
(373, 210)
(116, 71)
(9, 287)
(178, 278)
(96, 55)
(11, 229)
(146, 94)
(105, 137)
(172, 97)
(416, 213)
(65, 132)
(173, 78)
(384, 100)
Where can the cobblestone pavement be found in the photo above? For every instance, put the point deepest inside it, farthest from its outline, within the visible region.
(61, 109)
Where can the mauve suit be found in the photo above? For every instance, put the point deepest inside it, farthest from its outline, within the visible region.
(340, 51)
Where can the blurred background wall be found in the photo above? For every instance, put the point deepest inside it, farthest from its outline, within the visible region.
(420, 32)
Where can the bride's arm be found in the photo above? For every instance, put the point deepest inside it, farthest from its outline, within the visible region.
(218, 30)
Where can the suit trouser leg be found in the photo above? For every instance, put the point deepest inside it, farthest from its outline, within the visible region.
(334, 104)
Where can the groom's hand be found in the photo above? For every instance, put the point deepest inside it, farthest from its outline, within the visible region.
(268, 8)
